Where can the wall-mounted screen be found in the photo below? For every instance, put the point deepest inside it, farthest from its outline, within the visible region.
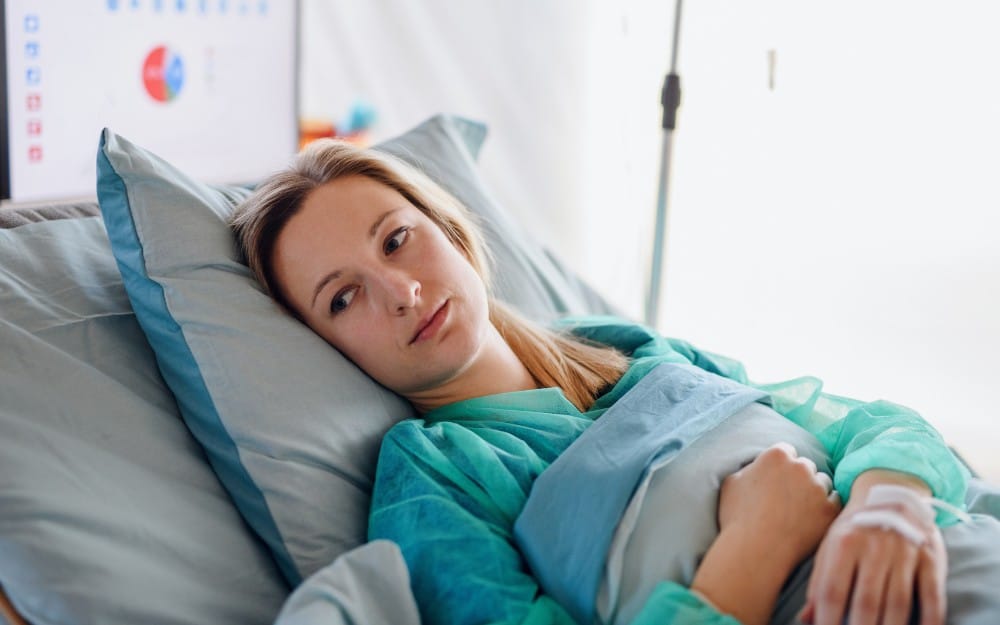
(210, 85)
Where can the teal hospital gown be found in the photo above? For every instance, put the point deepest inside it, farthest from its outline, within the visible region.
(450, 486)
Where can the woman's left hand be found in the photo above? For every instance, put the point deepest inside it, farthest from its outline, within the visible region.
(870, 574)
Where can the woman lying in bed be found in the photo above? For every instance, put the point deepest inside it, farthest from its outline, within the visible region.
(597, 472)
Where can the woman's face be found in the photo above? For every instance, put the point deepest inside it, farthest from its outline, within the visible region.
(371, 274)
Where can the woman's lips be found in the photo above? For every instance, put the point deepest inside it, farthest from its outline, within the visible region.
(431, 327)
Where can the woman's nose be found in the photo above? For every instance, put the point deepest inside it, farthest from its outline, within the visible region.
(401, 290)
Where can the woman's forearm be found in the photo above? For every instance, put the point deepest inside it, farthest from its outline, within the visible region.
(742, 575)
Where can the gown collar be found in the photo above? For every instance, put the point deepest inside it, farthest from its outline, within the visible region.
(549, 400)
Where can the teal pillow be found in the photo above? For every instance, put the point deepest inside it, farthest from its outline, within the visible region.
(109, 512)
(290, 426)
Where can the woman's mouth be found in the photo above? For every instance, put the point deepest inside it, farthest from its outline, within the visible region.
(429, 327)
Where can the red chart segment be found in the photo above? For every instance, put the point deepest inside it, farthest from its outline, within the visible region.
(163, 74)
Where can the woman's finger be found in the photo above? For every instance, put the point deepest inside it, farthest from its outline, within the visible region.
(833, 586)
(825, 480)
(819, 561)
(868, 594)
(930, 588)
(816, 578)
(808, 612)
(786, 447)
(899, 588)
(808, 462)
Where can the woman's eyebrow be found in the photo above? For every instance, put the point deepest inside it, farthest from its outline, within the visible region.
(327, 279)
(378, 222)
(333, 275)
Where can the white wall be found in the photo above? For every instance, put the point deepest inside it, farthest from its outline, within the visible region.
(846, 223)
(842, 224)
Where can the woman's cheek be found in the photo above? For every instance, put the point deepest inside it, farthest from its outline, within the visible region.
(363, 342)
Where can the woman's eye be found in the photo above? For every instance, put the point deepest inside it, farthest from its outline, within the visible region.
(396, 241)
(342, 300)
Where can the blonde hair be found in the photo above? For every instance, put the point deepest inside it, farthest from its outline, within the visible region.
(582, 370)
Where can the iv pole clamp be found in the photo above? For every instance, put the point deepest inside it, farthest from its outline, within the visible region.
(670, 99)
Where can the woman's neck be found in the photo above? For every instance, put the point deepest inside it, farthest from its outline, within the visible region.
(495, 369)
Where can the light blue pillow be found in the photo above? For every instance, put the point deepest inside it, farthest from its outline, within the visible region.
(291, 427)
(109, 512)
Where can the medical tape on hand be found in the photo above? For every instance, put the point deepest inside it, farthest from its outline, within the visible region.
(919, 506)
(889, 520)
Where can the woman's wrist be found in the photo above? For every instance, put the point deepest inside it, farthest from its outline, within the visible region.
(742, 574)
(865, 481)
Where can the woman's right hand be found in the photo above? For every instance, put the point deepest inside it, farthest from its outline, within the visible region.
(772, 514)
(781, 500)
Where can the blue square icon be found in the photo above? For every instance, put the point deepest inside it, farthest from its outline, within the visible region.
(31, 49)
(33, 75)
(31, 23)
(112, 5)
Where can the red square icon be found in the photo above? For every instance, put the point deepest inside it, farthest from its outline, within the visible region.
(34, 102)
(35, 153)
(34, 127)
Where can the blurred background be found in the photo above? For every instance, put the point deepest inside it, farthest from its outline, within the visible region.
(835, 197)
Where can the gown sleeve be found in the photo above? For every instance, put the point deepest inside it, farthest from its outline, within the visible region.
(859, 436)
(450, 516)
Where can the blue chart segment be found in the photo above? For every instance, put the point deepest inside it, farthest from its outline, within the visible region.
(163, 74)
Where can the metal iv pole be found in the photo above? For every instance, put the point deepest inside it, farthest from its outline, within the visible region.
(670, 98)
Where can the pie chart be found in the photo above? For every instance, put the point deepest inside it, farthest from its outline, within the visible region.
(163, 74)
